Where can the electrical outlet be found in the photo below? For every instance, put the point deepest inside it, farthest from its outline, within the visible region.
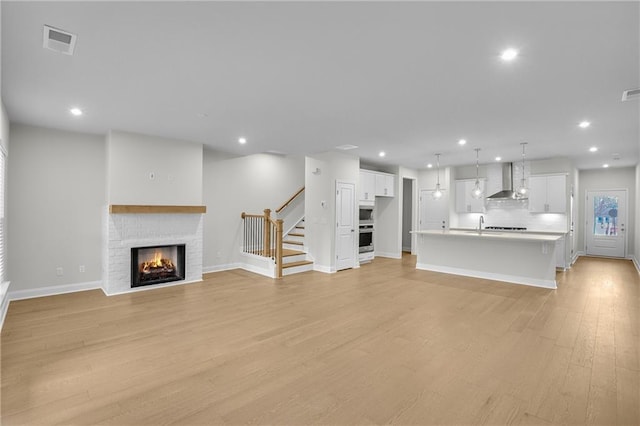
(81, 268)
(59, 271)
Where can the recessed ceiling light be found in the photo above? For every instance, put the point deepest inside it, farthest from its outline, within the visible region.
(382, 154)
(584, 124)
(75, 111)
(242, 141)
(509, 54)
(593, 149)
(462, 142)
(605, 165)
(429, 166)
(498, 158)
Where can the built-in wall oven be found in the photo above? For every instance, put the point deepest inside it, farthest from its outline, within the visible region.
(365, 234)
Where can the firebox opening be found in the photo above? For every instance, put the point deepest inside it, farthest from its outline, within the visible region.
(158, 264)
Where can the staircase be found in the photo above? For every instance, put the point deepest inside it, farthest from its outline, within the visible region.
(294, 256)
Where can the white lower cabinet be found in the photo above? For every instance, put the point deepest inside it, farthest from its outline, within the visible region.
(561, 258)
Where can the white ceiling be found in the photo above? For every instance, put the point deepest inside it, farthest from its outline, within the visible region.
(298, 78)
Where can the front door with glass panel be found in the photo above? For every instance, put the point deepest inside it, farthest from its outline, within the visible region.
(606, 218)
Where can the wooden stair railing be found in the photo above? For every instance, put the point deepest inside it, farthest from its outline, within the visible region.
(262, 235)
(290, 200)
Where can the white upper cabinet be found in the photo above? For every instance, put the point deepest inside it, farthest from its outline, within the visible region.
(548, 194)
(384, 185)
(367, 186)
(465, 203)
(375, 184)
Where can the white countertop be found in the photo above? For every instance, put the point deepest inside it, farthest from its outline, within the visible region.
(494, 235)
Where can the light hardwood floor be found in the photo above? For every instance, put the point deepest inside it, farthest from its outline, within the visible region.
(380, 344)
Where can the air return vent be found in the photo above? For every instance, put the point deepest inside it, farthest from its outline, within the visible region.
(59, 40)
(631, 94)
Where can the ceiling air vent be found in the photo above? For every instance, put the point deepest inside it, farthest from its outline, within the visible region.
(346, 147)
(630, 94)
(59, 40)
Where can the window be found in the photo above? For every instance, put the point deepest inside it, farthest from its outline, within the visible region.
(605, 212)
(3, 233)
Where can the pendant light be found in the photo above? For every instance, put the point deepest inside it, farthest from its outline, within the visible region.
(437, 193)
(522, 190)
(477, 191)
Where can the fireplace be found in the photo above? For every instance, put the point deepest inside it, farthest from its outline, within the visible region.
(158, 264)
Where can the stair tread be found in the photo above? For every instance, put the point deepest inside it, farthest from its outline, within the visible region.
(298, 263)
(295, 234)
(297, 243)
(289, 252)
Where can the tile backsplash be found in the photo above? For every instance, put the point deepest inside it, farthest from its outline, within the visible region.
(512, 213)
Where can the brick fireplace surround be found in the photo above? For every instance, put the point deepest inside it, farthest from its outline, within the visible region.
(122, 231)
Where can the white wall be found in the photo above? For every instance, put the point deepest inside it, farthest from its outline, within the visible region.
(320, 205)
(4, 127)
(132, 159)
(636, 222)
(407, 212)
(601, 179)
(233, 185)
(56, 194)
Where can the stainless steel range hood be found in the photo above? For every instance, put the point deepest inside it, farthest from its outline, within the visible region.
(507, 192)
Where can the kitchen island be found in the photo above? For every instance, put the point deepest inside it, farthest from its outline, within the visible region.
(516, 257)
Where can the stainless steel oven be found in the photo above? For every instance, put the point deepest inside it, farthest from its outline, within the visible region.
(366, 214)
(365, 235)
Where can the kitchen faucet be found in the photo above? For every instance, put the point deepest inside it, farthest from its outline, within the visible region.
(480, 222)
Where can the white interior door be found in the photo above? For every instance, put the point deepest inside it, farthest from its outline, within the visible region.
(434, 214)
(345, 225)
(606, 213)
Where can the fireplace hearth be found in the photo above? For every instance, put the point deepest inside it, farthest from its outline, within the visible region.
(157, 264)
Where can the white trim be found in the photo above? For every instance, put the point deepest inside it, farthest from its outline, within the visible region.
(152, 287)
(4, 301)
(635, 263)
(535, 282)
(219, 268)
(54, 290)
(324, 269)
(576, 255)
(389, 255)
(258, 270)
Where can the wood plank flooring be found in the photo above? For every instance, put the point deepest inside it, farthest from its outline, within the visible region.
(376, 345)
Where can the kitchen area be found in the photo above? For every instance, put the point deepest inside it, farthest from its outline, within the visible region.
(502, 234)
(517, 228)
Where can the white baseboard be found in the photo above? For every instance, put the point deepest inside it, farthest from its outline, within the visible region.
(4, 301)
(389, 255)
(53, 290)
(269, 273)
(535, 282)
(635, 262)
(218, 268)
(151, 287)
(325, 269)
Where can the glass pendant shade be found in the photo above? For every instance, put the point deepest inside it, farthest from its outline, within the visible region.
(437, 193)
(476, 192)
(522, 189)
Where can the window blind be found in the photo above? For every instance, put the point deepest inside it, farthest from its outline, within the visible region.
(3, 233)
